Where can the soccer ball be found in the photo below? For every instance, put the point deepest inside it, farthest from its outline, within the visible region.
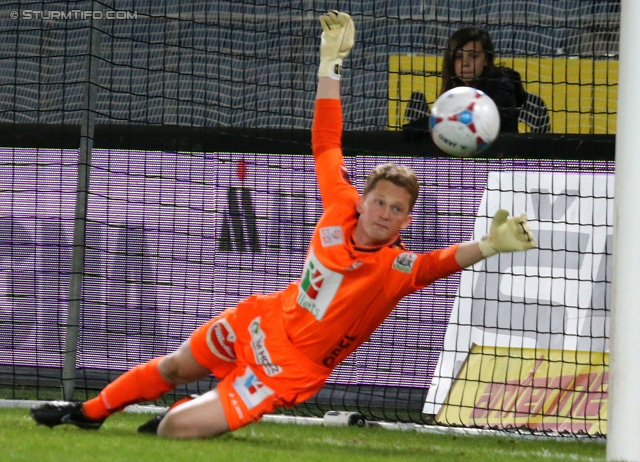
(464, 121)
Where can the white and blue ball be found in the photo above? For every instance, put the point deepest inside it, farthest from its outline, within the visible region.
(464, 121)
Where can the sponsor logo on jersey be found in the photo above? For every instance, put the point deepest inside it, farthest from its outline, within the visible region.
(404, 262)
(355, 265)
(250, 389)
(260, 351)
(343, 343)
(318, 286)
(331, 235)
(220, 338)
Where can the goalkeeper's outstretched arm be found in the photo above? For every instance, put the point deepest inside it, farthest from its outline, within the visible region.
(507, 234)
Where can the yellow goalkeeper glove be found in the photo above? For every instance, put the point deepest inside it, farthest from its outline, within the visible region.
(336, 41)
(507, 234)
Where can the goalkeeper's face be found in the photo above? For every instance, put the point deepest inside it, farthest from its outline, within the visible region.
(383, 212)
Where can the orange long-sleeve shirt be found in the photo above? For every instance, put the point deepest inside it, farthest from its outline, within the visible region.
(347, 291)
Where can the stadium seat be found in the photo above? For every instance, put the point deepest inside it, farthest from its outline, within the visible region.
(535, 114)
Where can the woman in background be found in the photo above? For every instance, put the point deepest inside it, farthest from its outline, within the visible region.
(469, 61)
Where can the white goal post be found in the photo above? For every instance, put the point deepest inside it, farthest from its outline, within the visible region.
(624, 405)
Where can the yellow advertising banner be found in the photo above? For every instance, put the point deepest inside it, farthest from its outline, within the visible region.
(581, 94)
(540, 390)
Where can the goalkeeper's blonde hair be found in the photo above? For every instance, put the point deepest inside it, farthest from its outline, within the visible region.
(399, 175)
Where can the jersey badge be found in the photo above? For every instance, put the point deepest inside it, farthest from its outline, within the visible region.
(331, 235)
(404, 262)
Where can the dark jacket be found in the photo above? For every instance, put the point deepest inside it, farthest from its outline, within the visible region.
(505, 88)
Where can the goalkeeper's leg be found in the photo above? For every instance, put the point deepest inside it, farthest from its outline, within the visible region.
(145, 382)
(142, 383)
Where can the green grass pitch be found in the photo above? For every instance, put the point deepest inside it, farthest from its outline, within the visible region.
(22, 440)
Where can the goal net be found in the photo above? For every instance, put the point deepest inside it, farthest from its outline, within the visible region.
(202, 191)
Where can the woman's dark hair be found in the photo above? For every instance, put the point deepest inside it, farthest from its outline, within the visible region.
(459, 39)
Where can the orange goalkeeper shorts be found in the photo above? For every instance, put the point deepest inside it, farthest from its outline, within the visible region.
(260, 369)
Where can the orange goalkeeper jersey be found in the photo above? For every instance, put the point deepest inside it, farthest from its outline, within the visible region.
(346, 291)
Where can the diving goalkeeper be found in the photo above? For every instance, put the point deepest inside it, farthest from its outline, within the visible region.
(277, 350)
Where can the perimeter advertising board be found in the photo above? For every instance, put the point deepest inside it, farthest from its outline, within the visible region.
(556, 297)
